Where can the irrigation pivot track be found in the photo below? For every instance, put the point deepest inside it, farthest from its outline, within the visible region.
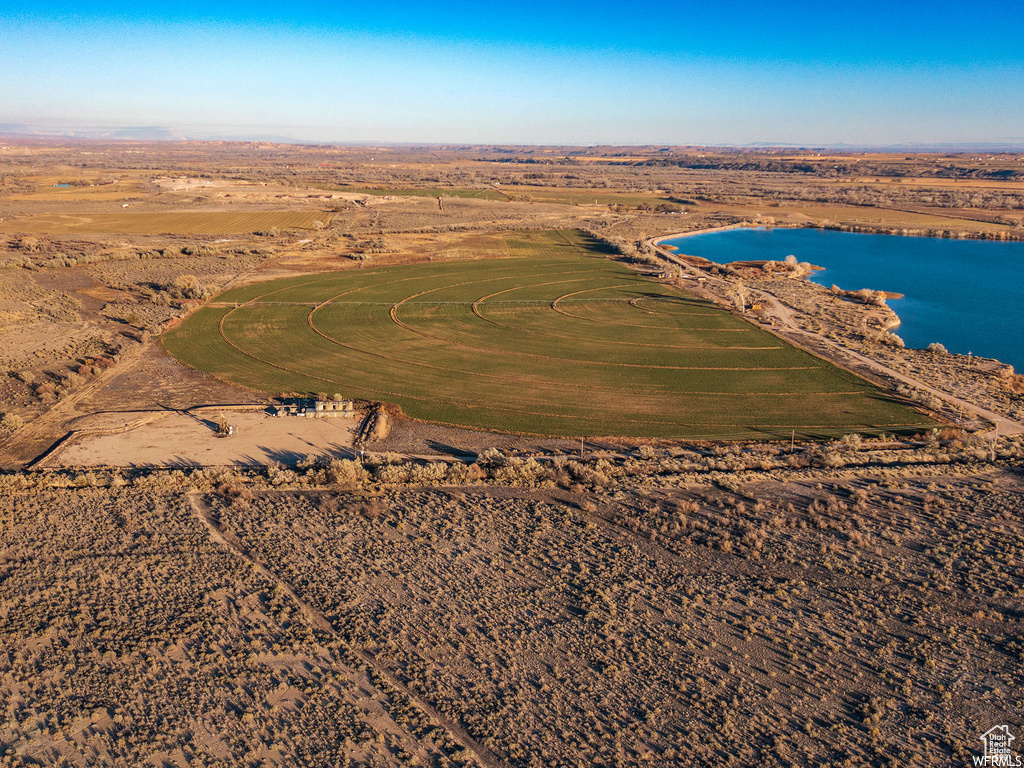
(555, 339)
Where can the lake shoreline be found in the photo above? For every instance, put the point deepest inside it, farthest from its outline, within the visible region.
(788, 303)
(857, 229)
(961, 293)
(859, 338)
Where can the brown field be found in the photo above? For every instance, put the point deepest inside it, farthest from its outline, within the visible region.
(105, 192)
(652, 619)
(179, 222)
(947, 183)
(857, 215)
(188, 439)
(573, 196)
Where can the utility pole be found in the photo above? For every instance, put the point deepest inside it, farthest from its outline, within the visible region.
(581, 449)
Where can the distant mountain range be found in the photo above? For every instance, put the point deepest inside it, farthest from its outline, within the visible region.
(164, 133)
(142, 133)
(1009, 145)
(135, 133)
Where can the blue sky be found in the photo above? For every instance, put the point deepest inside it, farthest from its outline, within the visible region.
(527, 72)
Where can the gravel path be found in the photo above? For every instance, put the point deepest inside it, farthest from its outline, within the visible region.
(839, 354)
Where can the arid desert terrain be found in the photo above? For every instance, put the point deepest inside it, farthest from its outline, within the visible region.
(383, 589)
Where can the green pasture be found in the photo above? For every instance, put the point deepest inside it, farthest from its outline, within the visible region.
(555, 339)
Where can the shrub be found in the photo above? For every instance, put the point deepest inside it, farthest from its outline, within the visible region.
(29, 244)
(519, 472)
(383, 459)
(10, 422)
(874, 298)
(278, 475)
(371, 508)
(852, 442)
(346, 473)
(461, 474)
(392, 474)
(429, 474)
(200, 250)
(189, 287)
(492, 457)
(937, 349)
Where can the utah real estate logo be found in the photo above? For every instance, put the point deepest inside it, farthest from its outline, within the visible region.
(998, 743)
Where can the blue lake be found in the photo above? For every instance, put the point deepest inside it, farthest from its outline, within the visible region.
(965, 294)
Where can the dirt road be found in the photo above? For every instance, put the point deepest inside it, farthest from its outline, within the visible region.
(787, 328)
(34, 438)
(317, 619)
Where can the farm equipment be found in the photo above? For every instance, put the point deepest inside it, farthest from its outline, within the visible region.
(224, 429)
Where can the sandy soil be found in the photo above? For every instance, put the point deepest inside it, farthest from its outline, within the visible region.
(188, 438)
(419, 438)
(147, 591)
(864, 620)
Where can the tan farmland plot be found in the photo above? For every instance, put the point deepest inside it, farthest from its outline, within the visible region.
(556, 339)
(92, 193)
(179, 222)
(181, 439)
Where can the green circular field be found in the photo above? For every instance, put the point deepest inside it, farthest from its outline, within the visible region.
(556, 339)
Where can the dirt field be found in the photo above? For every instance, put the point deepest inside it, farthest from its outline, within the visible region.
(182, 223)
(188, 439)
(821, 620)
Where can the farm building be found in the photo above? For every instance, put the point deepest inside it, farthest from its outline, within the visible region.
(318, 409)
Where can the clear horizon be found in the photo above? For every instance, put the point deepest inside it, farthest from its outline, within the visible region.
(564, 73)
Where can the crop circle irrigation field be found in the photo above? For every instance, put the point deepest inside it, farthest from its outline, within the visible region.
(556, 339)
